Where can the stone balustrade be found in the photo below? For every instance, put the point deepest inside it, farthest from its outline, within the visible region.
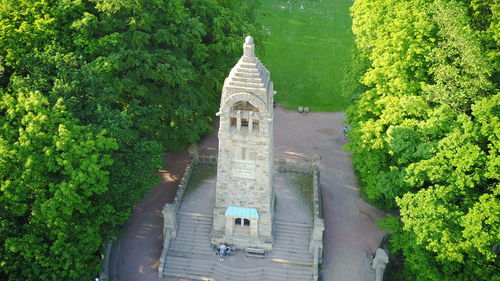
(316, 243)
(296, 166)
(170, 223)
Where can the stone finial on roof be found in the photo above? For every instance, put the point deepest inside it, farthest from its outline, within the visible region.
(248, 47)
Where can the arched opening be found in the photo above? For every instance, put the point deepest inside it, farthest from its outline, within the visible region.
(244, 106)
(237, 221)
(246, 222)
(244, 116)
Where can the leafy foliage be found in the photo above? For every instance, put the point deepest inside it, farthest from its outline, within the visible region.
(54, 177)
(92, 92)
(425, 131)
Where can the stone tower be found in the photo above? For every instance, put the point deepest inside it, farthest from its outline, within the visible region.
(244, 204)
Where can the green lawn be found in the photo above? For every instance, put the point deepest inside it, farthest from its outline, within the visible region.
(306, 51)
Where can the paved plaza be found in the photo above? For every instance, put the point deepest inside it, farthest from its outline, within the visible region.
(191, 254)
(351, 234)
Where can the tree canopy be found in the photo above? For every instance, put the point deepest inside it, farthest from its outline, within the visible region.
(425, 130)
(92, 93)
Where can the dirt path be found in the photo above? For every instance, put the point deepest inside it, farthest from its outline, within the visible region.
(136, 256)
(351, 234)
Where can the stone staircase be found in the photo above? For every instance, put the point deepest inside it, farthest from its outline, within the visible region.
(191, 255)
(211, 269)
(192, 235)
(291, 243)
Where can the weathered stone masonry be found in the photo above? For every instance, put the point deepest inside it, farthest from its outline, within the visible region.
(244, 203)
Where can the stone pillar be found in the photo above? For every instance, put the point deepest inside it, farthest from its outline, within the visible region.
(378, 264)
(248, 47)
(169, 219)
(229, 225)
(254, 227)
(316, 159)
(250, 122)
(238, 120)
(193, 152)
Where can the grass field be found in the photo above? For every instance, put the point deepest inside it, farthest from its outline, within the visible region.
(307, 46)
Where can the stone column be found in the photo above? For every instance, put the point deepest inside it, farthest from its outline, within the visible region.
(379, 262)
(250, 122)
(316, 159)
(193, 152)
(254, 227)
(229, 225)
(238, 120)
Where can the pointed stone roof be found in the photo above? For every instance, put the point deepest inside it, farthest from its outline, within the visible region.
(248, 75)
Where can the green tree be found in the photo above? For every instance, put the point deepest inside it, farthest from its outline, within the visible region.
(53, 174)
(143, 75)
(425, 132)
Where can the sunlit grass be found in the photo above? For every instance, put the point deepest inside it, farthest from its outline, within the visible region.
(306, 51)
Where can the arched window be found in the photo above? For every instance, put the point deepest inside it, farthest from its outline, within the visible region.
(246, 222)
(244, 116)
(244, 105)
(237, 221)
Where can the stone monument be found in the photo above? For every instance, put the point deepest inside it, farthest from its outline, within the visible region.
(244, 203)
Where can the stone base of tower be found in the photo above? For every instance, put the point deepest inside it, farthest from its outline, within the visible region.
(242, 227)
(243, 242)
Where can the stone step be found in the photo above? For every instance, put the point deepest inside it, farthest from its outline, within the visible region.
(287, 238)
(292, 234)
(291, 258)
(294, 223)
(248, 79)
(247, 70)
(222, 272)
(199, 216)
(204, 242)
(295, 270)
(183, 240)
(285, 224)
(190, 238)
(188, 225)
(211, 269)
(249, 84)
(303, 251)
(283, 249)
(175, 266)
(194, 228)
(195, 220)
(191, 250)
(291, 229)
(293, 261)
(249, 64)
(190, 262)
(247, 75)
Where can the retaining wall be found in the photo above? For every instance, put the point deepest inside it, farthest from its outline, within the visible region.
(316, 240)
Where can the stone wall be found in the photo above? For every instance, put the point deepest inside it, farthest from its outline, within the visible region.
(170, 214)
(316, 244)
(310, 167)
(296, 166)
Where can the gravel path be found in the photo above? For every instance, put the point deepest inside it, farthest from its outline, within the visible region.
(351, 234)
